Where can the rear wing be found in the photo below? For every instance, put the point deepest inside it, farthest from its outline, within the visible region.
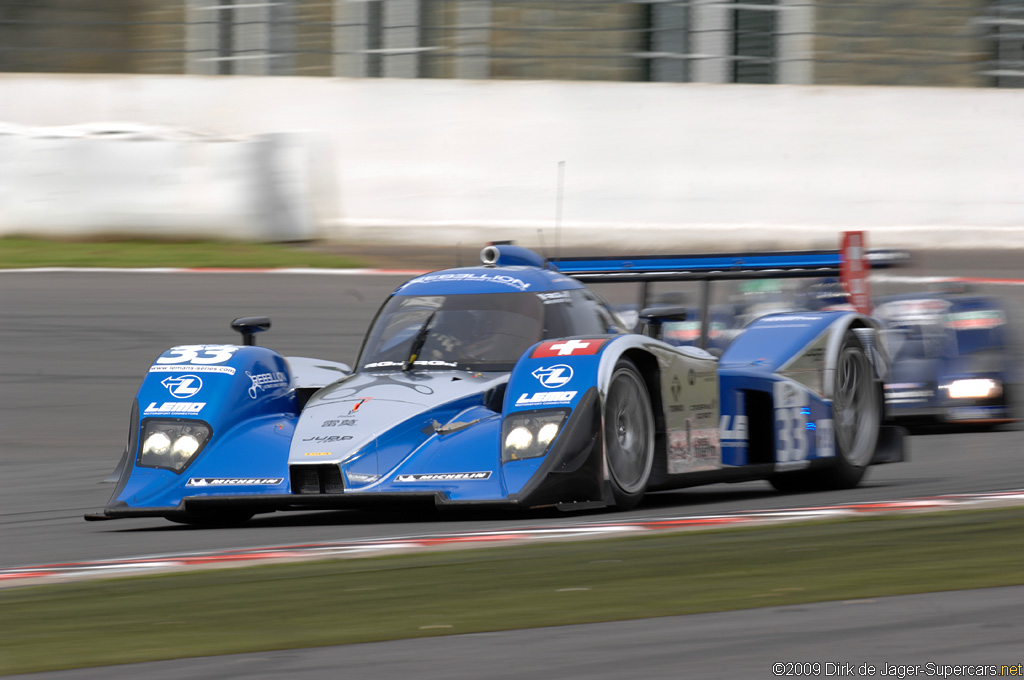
(848, 264)
(722, 266)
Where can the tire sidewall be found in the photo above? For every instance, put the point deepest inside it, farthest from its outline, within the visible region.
(625, 499)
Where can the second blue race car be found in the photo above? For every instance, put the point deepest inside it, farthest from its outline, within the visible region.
(952, 356)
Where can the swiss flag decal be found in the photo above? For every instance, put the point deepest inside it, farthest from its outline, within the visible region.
(565, 348)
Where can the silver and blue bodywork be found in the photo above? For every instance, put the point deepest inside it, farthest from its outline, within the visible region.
(226, 431)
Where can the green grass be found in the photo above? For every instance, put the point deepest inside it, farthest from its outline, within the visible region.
(18, 252)
(383, 598)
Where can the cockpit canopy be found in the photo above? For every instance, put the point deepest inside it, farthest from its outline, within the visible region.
(478, 332)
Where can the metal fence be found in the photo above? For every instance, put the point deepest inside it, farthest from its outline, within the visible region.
(871, 42)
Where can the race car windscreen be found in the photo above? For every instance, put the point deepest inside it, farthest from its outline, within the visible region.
(485, 332)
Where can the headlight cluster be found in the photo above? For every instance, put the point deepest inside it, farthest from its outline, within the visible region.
(172, 444)
(974, 388)
(529, 435)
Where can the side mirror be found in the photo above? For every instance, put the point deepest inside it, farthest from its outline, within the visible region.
(659, 315)
(249, 326)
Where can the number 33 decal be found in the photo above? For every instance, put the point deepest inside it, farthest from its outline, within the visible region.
(791, 414)
(198, 354)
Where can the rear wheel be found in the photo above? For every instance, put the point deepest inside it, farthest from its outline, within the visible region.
(857, 419)
(629, 435)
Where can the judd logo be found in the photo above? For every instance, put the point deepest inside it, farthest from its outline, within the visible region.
(184, 386)
(562, 348)
(553, 376)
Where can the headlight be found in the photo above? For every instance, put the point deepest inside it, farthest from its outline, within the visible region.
(530, 435)
(156, 444)
(547, 433)
(519, 439)
(172, 444)
(974, 388)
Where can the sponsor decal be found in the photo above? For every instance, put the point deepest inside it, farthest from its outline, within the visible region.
(329, 439)
(693, 450)
(553, 376)
(562, 348)
(555, 297)
(676, 388)
(261, 381)
(184, 386)
(503, 279)
(444, 477)
(545, 398)
(432, 362)
(703, 411)
(178, 408)
(234, 481)
(318, 453)
(226, 370)
(339, 422)
(691, 377)
(825, 438)
(733, 428)
(197, 354)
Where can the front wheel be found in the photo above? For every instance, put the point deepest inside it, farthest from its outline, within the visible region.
(628, 435)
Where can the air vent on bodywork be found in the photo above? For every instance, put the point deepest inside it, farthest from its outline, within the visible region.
(760, 427)
(315, 479)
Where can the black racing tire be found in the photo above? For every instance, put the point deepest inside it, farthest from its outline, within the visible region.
(221, 518)
(628, 435)
(857, 412)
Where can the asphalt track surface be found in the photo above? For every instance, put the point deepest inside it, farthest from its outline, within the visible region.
(76, 345)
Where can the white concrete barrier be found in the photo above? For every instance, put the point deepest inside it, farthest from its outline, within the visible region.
(675, 166)
(118, 179)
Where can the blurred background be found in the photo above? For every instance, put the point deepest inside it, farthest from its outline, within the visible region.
(936, 43)
(688, 125)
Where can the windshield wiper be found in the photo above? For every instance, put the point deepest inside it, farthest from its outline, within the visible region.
(418, 342)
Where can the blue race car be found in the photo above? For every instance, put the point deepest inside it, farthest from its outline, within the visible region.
(512, 384)
(952, 358)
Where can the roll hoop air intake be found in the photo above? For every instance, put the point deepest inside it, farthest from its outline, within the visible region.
(508, 255)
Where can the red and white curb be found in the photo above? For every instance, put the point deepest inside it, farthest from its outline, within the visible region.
(73, 571)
